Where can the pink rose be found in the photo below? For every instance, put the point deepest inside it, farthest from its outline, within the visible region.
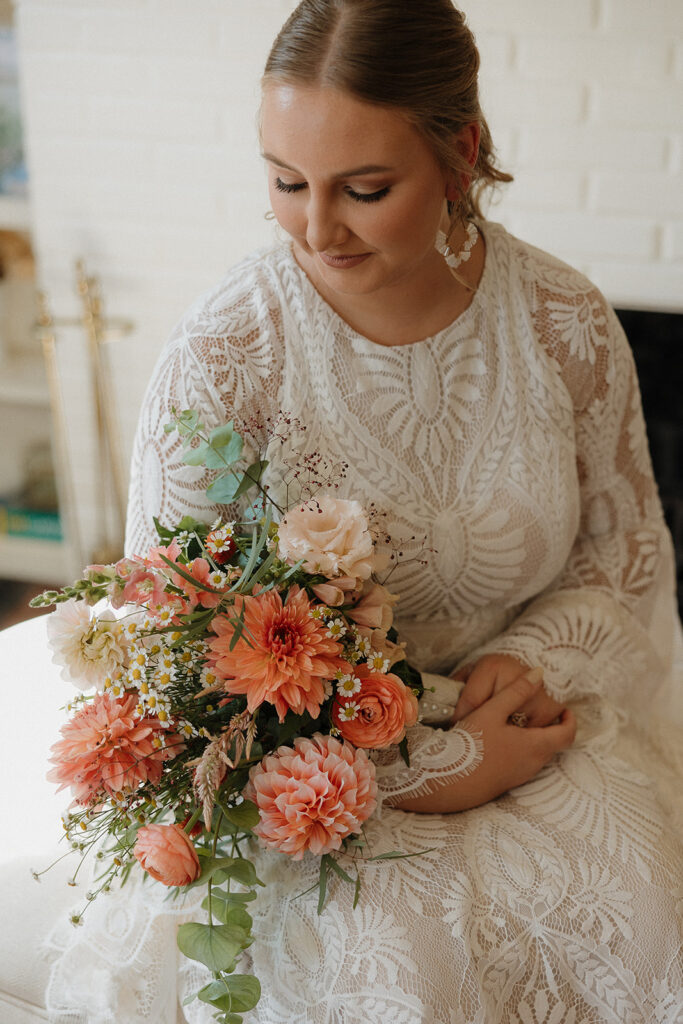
(331, 535)
(312, 796)
(379, 714)
(166, 853)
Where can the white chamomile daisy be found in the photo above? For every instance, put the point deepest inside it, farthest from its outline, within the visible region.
(208, 677)
(336, 628)
(138, 656)
(378, 663)
(349, 711)
(163, 677)
(186, 729)
(135, 676)
(348, 685)
(363, 645)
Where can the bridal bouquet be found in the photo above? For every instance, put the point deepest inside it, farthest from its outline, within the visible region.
(231, 688)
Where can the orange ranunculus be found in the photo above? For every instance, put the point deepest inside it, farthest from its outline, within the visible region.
(379, 714)
(166, 853)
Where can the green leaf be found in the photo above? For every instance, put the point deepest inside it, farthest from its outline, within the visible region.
(196, 456)
(224, 488)
(211, 867)
(356, 892)
(338, 870)
(186, 576)
(245, 991)
(238, 993)
(228, 912)
(245, 814)
(242, 871)
(403, 750)
(252, 476)
(395, 855)
(185, 422)
(216, 946)
(224, 447)
(322, 883)
(213, 992)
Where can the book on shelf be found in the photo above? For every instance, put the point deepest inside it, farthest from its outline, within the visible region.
(19, 520)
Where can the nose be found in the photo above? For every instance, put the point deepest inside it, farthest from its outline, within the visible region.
(325, 228)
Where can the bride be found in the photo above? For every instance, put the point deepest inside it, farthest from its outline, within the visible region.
(484, 397)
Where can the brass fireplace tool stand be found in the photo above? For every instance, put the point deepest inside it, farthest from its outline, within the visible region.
(110, 479)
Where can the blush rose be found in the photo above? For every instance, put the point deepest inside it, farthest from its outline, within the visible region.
(385, 708)
(331, 535)
(167, 854)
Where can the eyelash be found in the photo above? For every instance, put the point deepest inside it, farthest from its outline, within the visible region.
(359, 197)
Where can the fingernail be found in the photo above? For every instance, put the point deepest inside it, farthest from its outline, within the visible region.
(535, 675)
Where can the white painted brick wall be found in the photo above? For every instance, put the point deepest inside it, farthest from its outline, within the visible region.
(140, 123)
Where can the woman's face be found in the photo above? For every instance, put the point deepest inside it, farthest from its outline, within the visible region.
(355, 185)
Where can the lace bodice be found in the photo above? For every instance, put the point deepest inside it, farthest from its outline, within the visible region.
(508, 453)
(509, 447)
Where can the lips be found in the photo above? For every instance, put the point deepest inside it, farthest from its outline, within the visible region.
(342, 262)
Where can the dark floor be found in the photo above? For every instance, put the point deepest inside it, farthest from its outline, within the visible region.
(14, 599)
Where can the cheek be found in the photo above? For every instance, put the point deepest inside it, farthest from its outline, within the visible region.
(288, 212)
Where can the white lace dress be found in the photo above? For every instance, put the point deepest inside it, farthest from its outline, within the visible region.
(512, 444)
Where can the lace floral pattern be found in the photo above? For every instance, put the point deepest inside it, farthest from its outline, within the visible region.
(512, 444)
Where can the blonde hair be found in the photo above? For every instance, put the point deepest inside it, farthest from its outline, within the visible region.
(417, 56)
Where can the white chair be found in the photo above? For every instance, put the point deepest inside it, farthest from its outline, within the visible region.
(31, 695)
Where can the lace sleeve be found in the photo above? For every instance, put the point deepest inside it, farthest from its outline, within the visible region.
(437, 755)
(596, 629)
(224, 360)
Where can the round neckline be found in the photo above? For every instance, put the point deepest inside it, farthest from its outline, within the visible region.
(463, 317)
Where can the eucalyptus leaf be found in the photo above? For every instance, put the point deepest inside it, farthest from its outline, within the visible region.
(224, 489)
(214, 990)
(227, 912)
(213, 945)
(245, 991)
(245, 814)
(210, 868)
(224, 447)
(196, 456)
(252, 476)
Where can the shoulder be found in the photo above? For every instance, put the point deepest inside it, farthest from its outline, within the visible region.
(573, 320)
(249, 293)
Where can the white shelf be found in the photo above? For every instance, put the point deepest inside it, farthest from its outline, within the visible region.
(23, 381)
(34, 560)
(15, 213)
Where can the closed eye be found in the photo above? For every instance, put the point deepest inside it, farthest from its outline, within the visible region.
(359, 197)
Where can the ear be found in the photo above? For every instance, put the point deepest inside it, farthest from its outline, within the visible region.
(467, 145)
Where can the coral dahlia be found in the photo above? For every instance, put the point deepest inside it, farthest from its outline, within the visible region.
(106, 749)
(312, 796)
(286, 659)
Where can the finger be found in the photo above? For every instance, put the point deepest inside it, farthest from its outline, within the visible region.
(513, 697)
(476, 690)
(560, 736)
(542, 711)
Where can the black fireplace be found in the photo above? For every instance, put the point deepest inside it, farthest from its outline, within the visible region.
(657, 343)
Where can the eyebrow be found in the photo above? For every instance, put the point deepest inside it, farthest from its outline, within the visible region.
(352, 173)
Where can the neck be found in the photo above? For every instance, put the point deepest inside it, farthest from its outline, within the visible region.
(410, 310)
